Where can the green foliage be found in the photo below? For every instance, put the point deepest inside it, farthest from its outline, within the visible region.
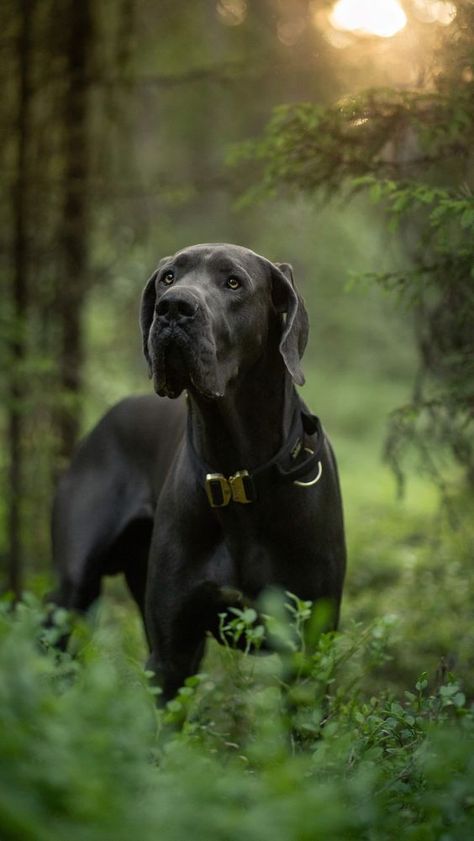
(68, 752)
(439, 288)
(309, 146)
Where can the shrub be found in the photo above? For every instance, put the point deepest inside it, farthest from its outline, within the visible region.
(84, 754)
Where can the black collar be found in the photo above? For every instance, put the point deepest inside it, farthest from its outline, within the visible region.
(292, 463)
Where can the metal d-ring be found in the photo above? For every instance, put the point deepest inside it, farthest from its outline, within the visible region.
(318, 475)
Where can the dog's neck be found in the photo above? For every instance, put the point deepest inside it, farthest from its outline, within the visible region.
(245, 428)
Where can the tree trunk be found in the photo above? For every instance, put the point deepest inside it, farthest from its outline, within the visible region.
(74, 235)
(19, 303)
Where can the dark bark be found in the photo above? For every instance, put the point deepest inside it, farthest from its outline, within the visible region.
(74, 236)
(19, 302)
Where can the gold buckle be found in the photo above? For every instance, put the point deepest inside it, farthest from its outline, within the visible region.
(220, 490)
(239, 486)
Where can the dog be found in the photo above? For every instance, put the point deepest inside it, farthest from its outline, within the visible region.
(222, 485)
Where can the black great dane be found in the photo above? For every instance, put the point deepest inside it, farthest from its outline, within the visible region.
(208, 499)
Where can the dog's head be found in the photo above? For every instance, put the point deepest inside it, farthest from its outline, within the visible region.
(207, 314)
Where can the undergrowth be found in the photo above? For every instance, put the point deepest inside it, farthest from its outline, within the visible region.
(322, 740)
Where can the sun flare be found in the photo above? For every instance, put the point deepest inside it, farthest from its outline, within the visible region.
(373, 17)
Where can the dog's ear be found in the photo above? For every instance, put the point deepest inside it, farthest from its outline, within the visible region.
(147, 311)
(288, 301)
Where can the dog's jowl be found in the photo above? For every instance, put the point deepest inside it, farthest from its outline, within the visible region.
(227, 488)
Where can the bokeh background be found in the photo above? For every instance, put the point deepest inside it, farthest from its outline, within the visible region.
(118, 124)
(131, 129)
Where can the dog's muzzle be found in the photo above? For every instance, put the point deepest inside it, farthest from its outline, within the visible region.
(176, 308)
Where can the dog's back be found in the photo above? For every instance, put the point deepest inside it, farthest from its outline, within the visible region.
(105, 501)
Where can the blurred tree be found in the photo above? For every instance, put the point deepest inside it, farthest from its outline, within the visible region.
(44, 249)
(19, 295)
(412, 149)
(72, 282)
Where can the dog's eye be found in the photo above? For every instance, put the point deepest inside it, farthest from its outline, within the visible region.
(167, 278)
(233, 283)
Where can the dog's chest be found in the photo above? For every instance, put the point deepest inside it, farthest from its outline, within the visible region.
(247, 568)
(254, 570)
(271, 545)
(255, 560)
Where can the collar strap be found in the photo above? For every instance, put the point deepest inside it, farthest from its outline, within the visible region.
(292, 463)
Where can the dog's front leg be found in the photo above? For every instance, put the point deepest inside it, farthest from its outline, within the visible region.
(171, 664)
(180, 608)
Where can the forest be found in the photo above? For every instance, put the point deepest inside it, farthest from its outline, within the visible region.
(334, 136)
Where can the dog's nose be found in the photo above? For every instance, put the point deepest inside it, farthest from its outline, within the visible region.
(176, 308)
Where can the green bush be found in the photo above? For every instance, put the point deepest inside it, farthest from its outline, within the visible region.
(280, 747)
